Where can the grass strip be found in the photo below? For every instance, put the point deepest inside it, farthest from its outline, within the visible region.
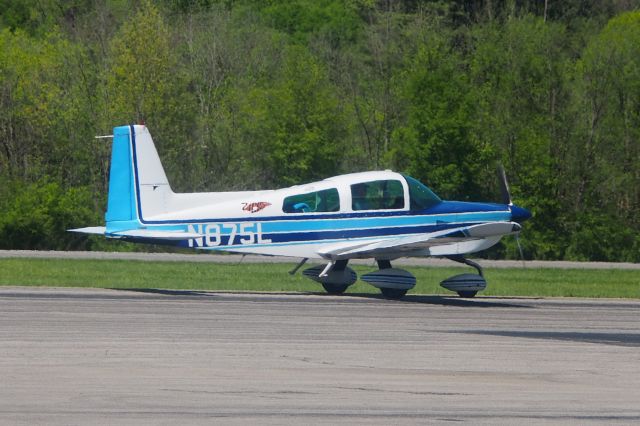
(274, 277)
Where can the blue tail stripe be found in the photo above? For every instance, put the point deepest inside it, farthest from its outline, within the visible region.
(121, 201)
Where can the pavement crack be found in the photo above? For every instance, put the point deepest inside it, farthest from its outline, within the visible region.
(401, 391)
(307, 360)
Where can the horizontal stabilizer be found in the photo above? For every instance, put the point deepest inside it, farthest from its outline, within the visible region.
(140, 233)
(156, 234)
(90, 230)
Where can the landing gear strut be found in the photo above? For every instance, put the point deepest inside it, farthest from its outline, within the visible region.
(466, 261)
(335, 276)
(333, 288)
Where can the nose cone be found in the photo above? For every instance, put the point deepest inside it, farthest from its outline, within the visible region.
(519, 214)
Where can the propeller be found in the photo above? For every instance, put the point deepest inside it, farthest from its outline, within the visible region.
(517, 236)
(504, 187)
(506, 199)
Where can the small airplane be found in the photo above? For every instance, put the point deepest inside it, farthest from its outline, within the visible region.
(380, 214)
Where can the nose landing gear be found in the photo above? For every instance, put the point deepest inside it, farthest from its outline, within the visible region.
(466, 285)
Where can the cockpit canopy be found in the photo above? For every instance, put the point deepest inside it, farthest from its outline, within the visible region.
(420, 195)
(381, 191)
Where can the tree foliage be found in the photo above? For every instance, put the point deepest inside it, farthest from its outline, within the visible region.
(246, 94)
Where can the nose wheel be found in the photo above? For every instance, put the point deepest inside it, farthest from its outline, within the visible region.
(466, 285)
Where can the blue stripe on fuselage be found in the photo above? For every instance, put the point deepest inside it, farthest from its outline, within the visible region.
(223, 234)
(309, 224)
(346, 234)
(401, 224)
(279, 239)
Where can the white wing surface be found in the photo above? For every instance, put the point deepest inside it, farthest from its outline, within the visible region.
(438, 243)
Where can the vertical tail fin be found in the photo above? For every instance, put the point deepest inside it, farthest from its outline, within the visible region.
(138, 185)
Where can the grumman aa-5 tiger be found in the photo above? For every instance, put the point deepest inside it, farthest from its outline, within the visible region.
(381, 215)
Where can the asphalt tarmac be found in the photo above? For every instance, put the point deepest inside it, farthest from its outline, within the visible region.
(93, 356)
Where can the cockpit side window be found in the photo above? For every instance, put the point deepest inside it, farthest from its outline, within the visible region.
(377, 195)
(326, 200)
(420, 196)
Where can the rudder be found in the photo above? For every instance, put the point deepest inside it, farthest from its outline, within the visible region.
(121, 203)
(138, 185)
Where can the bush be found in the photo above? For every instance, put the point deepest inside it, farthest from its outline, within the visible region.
(36, 216)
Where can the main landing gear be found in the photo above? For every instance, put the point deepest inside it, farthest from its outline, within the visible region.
(336, 277)
(338, 288)
(392, 282)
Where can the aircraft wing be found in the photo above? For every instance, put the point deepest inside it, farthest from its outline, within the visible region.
(402, 245)
(140, 233)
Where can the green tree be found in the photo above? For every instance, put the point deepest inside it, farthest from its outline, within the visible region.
(369, 73)
(144, 84)
(223, 60)
(41, 108)
(437, 144)
(335, 20)
(37, 215)
(37, 17)
(295, 125)
(606, 153)
(518, 71)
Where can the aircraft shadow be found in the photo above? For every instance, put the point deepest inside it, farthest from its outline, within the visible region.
(476, 302)
(166, 292)
(616, 339)
(206, 293)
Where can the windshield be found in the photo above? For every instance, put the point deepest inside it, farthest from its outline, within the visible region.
(421, 197)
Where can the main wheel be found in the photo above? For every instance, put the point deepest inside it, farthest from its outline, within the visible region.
(467, 294)
(335, 288)
(393, 293)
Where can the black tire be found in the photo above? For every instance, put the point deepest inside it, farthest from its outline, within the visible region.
(335, 288)
(467, 294)
(393, 293)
